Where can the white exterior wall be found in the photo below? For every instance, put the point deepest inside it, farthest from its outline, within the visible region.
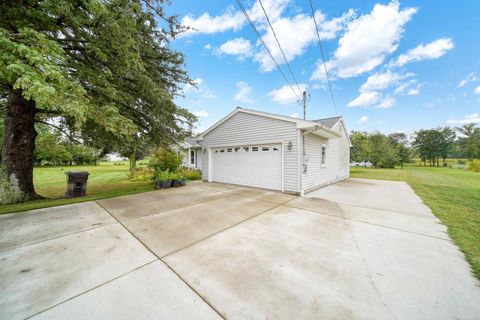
(243, 128)
(337, 160)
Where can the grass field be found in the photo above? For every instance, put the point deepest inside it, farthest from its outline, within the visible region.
(452, 194)
(106, 180)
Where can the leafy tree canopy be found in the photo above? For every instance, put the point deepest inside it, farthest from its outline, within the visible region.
(100, 64)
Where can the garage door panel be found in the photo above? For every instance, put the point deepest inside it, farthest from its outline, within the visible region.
(251, 168)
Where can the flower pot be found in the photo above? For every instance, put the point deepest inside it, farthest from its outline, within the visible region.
(176, 183)
(163, 184)
(183, 182)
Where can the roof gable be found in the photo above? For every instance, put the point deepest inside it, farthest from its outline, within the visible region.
(300, 123)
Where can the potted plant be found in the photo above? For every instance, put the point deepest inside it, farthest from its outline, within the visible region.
(163, 180)
(175, 180)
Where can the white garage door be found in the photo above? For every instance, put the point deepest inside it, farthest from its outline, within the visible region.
(255, 165)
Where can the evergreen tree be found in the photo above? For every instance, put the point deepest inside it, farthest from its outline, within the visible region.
(103, 63)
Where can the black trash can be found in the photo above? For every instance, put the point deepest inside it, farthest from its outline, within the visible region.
(76, 184)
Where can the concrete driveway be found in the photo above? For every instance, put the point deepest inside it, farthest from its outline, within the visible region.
(359, 249)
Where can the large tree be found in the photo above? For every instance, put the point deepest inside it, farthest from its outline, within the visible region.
(469, 141)
(103, 63)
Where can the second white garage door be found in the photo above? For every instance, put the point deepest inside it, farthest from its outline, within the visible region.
(254, 165)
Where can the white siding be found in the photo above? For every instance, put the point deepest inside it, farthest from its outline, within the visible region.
(244, 128)
(337, 160)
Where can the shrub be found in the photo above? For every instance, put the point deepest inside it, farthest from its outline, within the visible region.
(164, 159)
(164, 175)
(474, 166)
(191, 174)
(141, 174)
(9, 190)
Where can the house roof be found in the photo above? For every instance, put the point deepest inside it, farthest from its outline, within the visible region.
(329, 122)
(318, 125)
(190, 142)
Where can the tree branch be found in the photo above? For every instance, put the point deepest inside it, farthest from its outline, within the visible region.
(72, 138)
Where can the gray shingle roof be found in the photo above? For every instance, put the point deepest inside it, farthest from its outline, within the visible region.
(328, 122)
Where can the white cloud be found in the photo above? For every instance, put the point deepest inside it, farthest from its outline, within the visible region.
(381, 81)
(228, 20)
(470, 78)
(285, 95)
(363, 119)
(208, 46)
(432, 50)
(476, 90)
(413, 92)
(386, 103)
(243, 92)
(294, 115)
(365, 99)
(240, 47)
(370, 99)
(201, 113)
(295, 35)
(470, 118)
(200, 89)
(369, 39)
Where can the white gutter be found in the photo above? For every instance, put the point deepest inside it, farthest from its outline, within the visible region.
(318, 128)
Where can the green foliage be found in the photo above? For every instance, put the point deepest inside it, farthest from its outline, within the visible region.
(382, 153)
(190, 174)
(9, 190)
(474, 166)
(359, 151)
(141, 174)
(377, 148)
(469, 142)
(82, 154)
(165, 159)
(104, 67)
(49, 150)
(164, 175)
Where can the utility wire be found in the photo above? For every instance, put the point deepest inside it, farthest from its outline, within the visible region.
(279, 46)
(323, 57)
(266, 48)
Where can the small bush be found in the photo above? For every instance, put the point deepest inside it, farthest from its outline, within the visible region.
(164, 159)
(141, 174)
(9, 190)
(164, 175)
(191, 174)
(474, 166)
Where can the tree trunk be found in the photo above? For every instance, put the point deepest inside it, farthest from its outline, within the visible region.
(133, 161)
(19, 141)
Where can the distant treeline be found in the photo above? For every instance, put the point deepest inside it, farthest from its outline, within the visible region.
(430, 145)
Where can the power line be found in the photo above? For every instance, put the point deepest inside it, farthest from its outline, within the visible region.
(323, 57)
(266, 48)
(279, 46)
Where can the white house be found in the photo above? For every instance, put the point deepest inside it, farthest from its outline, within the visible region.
(191, 152)
(271, 151)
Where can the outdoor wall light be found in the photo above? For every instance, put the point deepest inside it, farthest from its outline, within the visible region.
(289, 146)
(204, 150)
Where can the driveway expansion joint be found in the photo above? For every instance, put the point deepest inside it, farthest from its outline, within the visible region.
(159, 258)
(91, 289)
(369, 223)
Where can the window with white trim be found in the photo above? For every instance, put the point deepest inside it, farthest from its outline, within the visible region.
(324, 156)
(192, 156)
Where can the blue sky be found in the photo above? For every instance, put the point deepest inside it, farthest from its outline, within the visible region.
(394, 66)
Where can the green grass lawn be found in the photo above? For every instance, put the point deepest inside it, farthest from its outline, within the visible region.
(452, 194)
(106, 180)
